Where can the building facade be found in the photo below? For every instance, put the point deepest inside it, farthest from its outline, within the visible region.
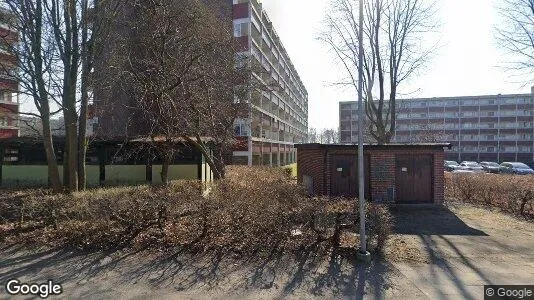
(278, 114)
(399, 173)
(9, 87)
(480, 128)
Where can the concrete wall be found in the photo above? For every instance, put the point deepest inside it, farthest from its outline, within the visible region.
(130, 174)
(175, 172)
(37, 175)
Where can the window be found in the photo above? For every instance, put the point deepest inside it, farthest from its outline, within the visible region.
(524, 149)
(345, 106)
(510, 149)
(241, 29)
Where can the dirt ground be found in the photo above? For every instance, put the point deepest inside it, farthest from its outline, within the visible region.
(446, 252)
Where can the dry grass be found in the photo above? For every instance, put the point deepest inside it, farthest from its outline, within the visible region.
(252, 210)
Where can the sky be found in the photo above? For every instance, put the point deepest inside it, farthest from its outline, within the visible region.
(466, 63)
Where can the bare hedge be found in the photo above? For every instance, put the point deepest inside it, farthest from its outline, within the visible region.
(251, 210)
(511, 193)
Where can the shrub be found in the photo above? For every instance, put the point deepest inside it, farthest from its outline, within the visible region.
(253, 209)
(380, 224)
(511, 193)
(256, 208)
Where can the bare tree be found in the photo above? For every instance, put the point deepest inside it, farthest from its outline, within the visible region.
(312, 135)
(181, 70)
(515, 35)
(33, 67)
(394, 52)
(79, 29)
(59, 40)
(329, 136)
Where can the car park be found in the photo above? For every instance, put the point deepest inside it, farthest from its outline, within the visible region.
(490, 167)
(462, 171)
(450, 165)
(471, 166)
(515, 168)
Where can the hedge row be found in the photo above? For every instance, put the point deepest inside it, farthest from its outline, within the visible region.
(511, 193)
(251, 210)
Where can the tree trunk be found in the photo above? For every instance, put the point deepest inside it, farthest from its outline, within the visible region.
(217, 165)
(65, 165)
(82, 130)
(72, 149)
(165, 169)
(53, 170)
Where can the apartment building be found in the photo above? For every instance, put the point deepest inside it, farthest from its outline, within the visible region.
(9, 87)
(278, 114)
(481, 128)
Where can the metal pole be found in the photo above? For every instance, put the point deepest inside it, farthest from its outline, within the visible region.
(361, 179)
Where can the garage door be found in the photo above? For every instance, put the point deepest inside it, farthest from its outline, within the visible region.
(413, 179)
(344, 176)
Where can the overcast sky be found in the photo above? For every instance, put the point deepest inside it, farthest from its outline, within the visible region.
(466, 63)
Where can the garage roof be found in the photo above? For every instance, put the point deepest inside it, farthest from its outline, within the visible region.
(393, 146)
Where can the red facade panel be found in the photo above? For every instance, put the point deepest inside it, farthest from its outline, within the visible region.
(240, 144)
(240, 11)
(243, 42)
(9, 35)
(8, 133)
(8, 58)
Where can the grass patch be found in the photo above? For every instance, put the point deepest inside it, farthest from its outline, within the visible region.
(292, 170)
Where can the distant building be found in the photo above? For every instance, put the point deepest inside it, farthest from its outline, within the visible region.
(280, 115)
(481, 128)
(9, 86)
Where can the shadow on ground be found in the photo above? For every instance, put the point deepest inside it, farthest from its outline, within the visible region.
(435, 220)
(307, 272)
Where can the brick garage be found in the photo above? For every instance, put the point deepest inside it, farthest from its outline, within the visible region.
(400, 173)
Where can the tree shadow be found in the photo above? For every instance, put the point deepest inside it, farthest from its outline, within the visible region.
(309, 269)
(435, 220)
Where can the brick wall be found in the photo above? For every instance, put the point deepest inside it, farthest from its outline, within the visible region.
(382, 174)
(311, 162)
(439, 178)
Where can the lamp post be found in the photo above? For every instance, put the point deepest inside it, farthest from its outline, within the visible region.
(362, 254)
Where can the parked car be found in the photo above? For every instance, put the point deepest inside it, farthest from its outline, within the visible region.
(515, 168)
(462, 171)
(490, 167)
(471, 166)
(450, 165)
